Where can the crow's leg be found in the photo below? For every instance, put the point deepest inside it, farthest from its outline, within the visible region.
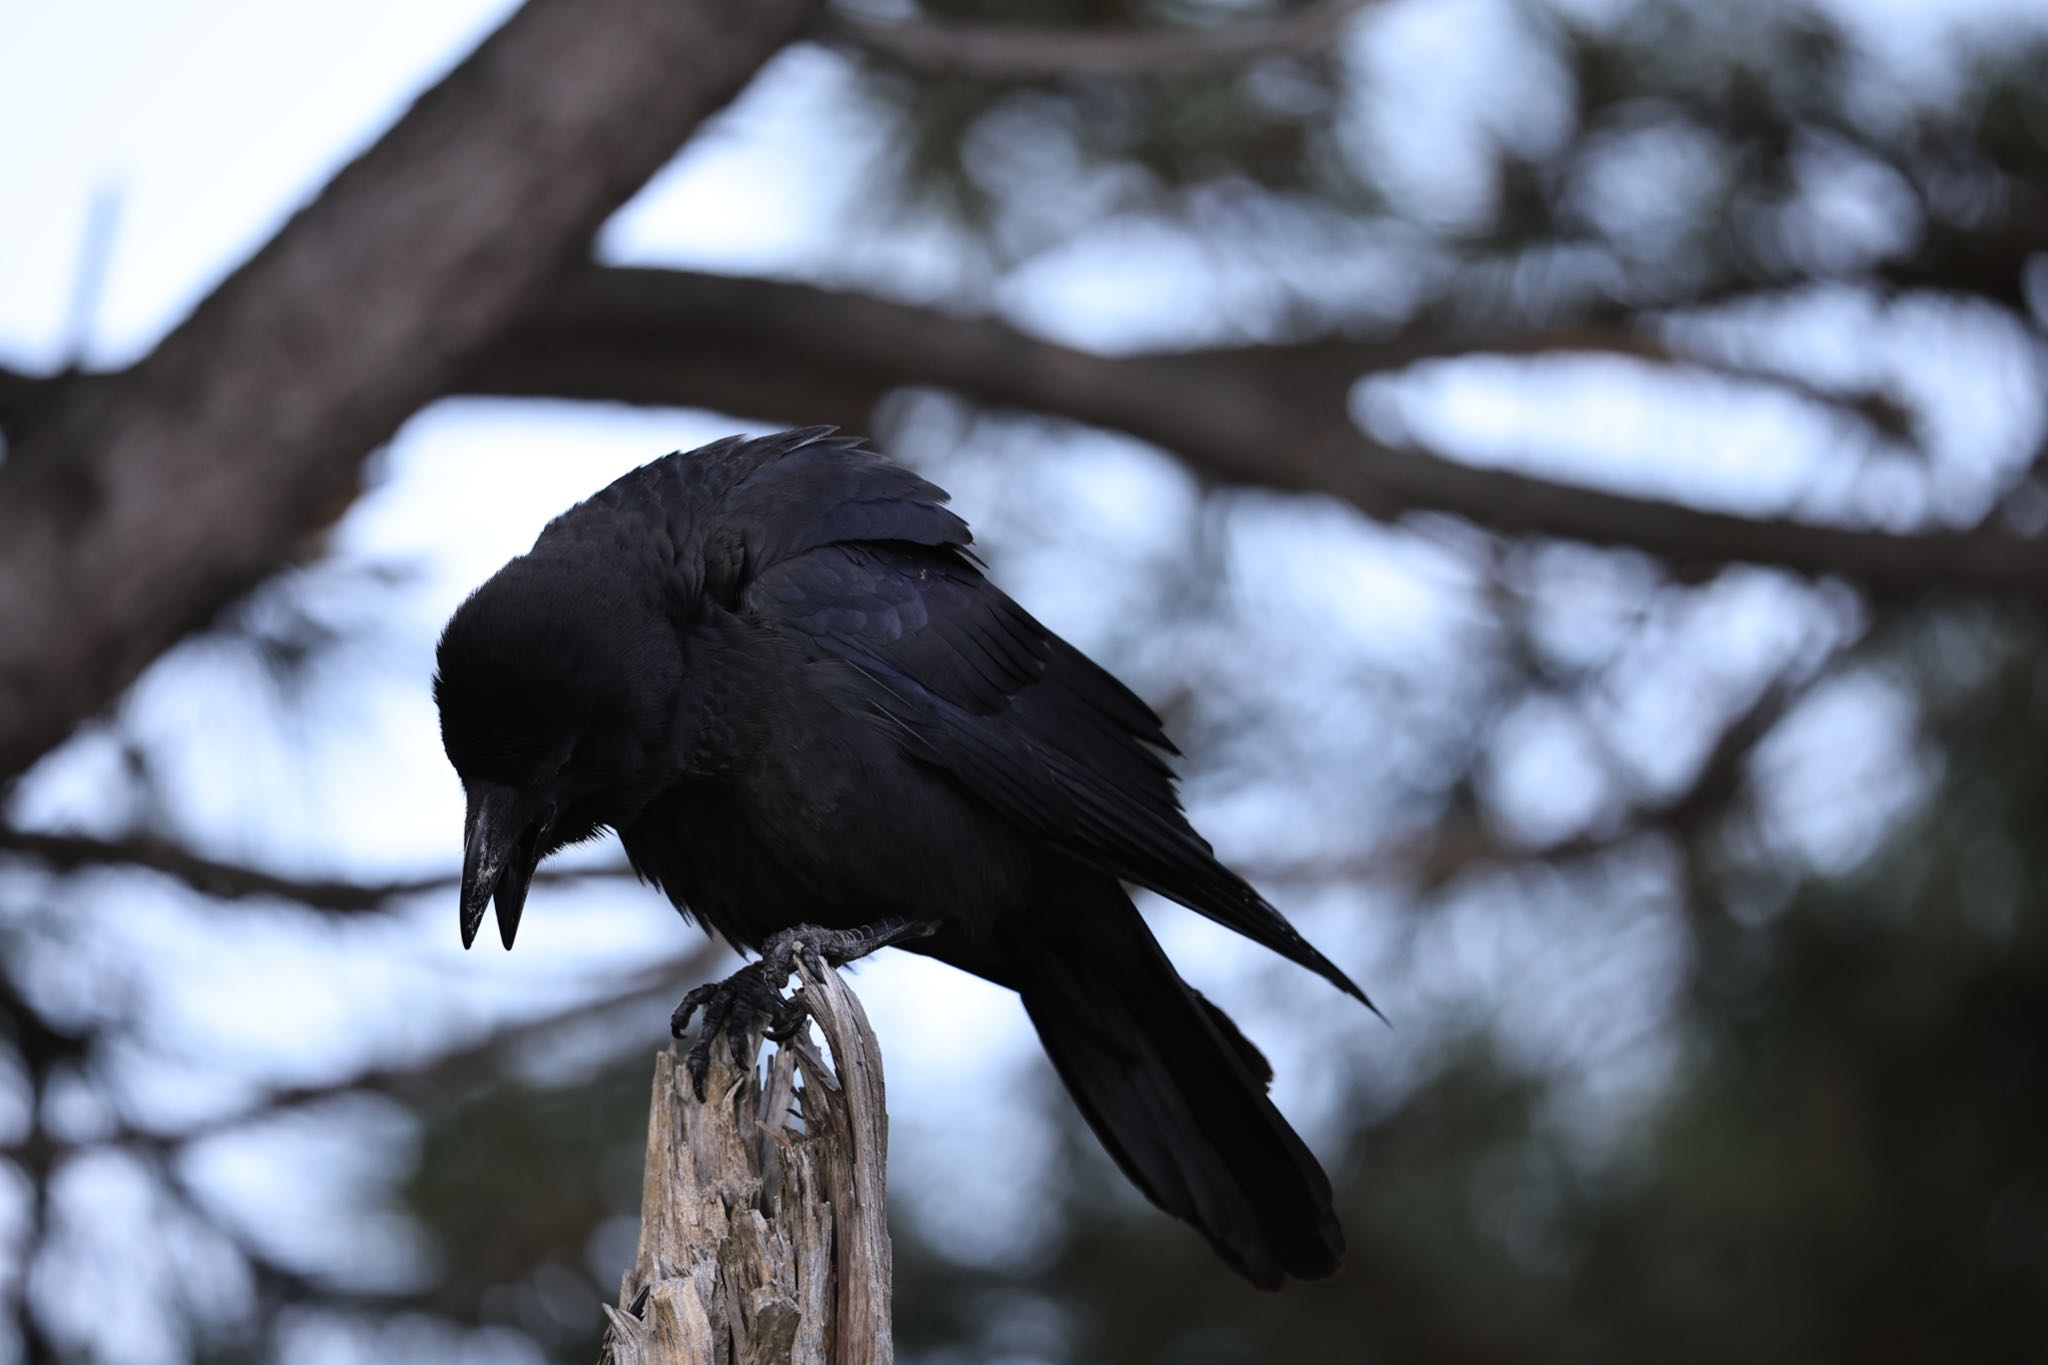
(755, 991)
(818, 948)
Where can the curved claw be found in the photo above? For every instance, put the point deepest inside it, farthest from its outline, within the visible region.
(790, 1021)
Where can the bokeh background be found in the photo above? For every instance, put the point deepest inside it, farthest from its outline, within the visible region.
(1573, 474)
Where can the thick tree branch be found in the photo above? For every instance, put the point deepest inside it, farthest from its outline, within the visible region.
(141, 504)
(799, 353)
(1015, 52)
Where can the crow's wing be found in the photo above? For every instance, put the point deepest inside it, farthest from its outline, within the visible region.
(1021, 719)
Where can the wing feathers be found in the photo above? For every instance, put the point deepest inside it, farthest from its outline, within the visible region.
(979, 688)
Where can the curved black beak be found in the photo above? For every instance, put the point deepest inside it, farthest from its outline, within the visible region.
(499, 853)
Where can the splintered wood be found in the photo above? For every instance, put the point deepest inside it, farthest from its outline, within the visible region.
(764, 1238)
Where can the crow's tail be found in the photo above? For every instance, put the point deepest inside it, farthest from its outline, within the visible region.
(1176, 1093)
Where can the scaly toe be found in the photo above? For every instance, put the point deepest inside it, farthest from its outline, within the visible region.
(679, 1022)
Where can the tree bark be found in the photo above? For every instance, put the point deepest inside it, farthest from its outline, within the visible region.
(762, 1241)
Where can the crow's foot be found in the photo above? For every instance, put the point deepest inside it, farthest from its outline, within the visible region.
(730, 1008)
(754, 991)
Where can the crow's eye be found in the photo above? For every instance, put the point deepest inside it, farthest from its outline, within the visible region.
(547, 821)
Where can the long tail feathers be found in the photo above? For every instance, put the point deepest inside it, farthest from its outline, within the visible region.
(1178, 1096)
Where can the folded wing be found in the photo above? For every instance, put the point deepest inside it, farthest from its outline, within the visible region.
(978, 688)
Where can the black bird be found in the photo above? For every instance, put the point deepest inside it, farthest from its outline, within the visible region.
(775, 668)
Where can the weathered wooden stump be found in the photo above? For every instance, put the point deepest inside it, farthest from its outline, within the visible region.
(763, 1224)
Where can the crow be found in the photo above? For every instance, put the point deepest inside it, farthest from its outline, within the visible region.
(775, 668)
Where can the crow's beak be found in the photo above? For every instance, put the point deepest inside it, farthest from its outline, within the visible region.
(498, 857)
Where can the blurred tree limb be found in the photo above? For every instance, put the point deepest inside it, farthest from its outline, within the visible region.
(1018, 52)
(796, 352)
(1685, 814)
(68, 852)
(460, 1065)
(252, 418)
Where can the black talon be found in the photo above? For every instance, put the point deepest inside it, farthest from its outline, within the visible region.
(789, 1022)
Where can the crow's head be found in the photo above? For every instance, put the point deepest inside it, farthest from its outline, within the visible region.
(556, 685)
